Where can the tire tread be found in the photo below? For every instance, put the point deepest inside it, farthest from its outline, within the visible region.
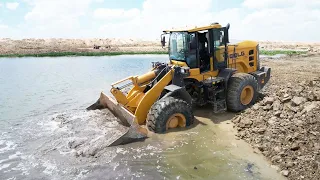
(235, 85)
(158, 113)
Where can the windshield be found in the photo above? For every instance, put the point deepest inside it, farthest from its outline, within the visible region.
(178, 45)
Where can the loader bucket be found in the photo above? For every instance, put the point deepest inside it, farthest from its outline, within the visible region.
(131, 131)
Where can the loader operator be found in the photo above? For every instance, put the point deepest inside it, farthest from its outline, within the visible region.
(203, 52)
(192, 57)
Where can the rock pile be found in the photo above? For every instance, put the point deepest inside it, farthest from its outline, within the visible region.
(285, 127)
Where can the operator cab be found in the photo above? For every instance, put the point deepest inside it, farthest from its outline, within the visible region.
(204, 48)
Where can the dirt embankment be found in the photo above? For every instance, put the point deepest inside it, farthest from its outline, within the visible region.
(313, 48)
(38, 46)
(285, 125)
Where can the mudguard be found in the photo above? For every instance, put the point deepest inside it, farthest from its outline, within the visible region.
(262, 76)
(226, 74)
(178, 92)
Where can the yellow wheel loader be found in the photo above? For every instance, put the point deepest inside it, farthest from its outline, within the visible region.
(203, 68)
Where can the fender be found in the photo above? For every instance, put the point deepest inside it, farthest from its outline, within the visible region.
(226, 74)
(262, 76)
(178, 92)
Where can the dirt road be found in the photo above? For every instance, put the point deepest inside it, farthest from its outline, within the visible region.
(285, 125)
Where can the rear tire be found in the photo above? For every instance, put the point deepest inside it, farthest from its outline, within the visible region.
(161, 113)
(242, 92)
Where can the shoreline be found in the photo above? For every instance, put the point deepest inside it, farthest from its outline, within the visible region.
(117, 53)
(110, 46)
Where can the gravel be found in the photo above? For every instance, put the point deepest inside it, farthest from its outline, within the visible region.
(285, 127)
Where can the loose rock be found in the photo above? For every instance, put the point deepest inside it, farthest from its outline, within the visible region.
(276, 105)
(268, 100)
(245, 123)
(298, 100)
(285, 173)
(285, 128)
(310, 107)
(295, 147)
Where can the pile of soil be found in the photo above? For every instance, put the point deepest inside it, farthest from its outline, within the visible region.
(285, 124)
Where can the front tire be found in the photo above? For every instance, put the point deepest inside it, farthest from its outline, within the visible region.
(169, 113)
(242, 92)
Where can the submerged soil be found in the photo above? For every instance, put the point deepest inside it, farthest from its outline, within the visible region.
(284, 125)
(206, 150)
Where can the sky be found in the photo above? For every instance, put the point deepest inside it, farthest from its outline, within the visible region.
(283, 20)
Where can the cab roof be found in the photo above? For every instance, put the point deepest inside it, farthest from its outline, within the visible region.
(195, 29)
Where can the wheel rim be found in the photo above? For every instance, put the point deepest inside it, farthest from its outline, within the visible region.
(176, 120)
(246, 95)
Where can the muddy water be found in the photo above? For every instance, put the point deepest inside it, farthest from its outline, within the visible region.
(46, 134)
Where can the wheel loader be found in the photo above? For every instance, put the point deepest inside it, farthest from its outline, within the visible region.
(204, 68)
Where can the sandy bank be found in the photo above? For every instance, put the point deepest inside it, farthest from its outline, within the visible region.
(39, 46)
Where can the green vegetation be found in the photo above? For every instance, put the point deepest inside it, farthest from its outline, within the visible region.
(59, 54)
(286, 52)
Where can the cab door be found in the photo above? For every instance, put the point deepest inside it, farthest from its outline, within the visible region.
(218, 47)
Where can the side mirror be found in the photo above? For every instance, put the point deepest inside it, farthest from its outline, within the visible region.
(226, 34)
(163, 40)
(228, 26)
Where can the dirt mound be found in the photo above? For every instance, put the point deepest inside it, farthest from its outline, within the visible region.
(285, 127)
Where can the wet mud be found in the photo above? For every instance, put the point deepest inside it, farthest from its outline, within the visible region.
(74, 145)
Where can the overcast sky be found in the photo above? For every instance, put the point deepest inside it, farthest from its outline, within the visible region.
(287, 20)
